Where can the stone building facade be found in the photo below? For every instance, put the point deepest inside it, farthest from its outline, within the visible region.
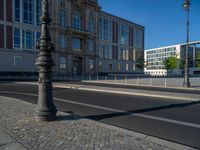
(86, 39)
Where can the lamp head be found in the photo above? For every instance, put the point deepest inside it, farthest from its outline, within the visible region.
(186, 4)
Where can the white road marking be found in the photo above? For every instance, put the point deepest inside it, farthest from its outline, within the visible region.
(116, 110)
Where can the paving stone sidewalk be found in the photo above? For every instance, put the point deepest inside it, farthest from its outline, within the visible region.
(19, 131)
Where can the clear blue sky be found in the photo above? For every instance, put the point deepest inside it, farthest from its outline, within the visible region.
(164, 20)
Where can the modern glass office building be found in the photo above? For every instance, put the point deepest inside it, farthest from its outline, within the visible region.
(155, 58)
(86, 39)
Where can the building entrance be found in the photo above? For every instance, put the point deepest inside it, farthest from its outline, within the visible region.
(77, 66)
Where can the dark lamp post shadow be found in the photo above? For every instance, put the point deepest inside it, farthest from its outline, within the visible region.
(186, 83)
(45, 110)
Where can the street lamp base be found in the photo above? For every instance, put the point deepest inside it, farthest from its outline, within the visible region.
(45, 116)
(186, 84)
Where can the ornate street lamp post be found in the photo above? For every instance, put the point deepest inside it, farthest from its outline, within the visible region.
(186, 82)
(45, 110)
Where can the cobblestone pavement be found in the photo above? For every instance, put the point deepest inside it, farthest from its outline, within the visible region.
(69, 132)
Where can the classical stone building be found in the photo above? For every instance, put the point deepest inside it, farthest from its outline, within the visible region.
(86, 39)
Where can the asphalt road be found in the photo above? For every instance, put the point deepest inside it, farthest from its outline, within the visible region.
(173, 120)
(148, 88)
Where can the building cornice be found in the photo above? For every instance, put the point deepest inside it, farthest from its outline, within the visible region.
(119, 18)
(181, 44)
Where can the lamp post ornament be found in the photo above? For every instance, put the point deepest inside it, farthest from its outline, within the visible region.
(186, 83)
(45, 110)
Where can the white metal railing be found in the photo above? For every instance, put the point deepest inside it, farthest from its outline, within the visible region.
(145, 81)
(115, 79)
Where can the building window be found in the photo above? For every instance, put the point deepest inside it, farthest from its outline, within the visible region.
(133, 54)
(123, 34)
(105, 51)
(62, 41)
(76, 21)
(125, 53)
(76, 44)
(118, 67)
(28, 40)
(91, 24)
(62, 63)
(101, 52)
(133, 67)
(101, 28)
(28, 11)
(16, 38)
(25, 39)
(138, 38)
(38, 11)
(110, 67)
(91, 64)
(127, 67)
(17, 61)
(119, 53)
(37, 38)
(17, 10)
(108, 51)
(62, 18)
(91, 45)
(105, 29)
(100, 66)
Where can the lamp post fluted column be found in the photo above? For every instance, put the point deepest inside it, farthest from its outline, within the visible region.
(45, 110)
(186, 82)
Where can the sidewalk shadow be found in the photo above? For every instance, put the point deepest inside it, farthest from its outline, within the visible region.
(68, 117)
(119, 114)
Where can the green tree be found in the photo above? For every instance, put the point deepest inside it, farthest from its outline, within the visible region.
(171, 63)
(140, 63)
(182, 64)
(198, 61)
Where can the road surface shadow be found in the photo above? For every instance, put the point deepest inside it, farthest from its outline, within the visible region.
(57, 89)
(6, 82)
(118, 114)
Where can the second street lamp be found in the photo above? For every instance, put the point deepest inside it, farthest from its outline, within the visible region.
(186, 83)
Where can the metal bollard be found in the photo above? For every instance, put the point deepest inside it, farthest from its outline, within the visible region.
(89, 77)
(106, 78)
(97, 78)
(150, 81)
(70, 77)
(82, 77)
(115, 79)
(137, 81)
(126, 80)
(165, 82)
